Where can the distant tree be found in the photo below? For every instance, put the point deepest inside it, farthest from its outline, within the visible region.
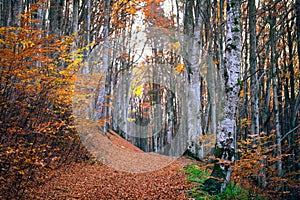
(253, 69)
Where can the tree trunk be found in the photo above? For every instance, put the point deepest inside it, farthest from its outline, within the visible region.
(55, 16)
(8, 12)
(275, 95)
(88, 26)
(298, 27)
(253, 65)
(193, 27)
(226, 130)
(297, 104)
(17, 10)
(106, 112)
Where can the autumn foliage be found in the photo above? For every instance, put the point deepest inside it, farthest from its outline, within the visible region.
(36, 77)
(43, 43)
(256, 168)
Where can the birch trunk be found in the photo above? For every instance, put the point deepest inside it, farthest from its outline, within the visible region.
(226, 130)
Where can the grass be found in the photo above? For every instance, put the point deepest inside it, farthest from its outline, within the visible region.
(198, 176)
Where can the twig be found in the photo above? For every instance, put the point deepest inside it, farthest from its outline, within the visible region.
(289, 133)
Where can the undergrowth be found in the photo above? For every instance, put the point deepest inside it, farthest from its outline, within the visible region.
(198, 176)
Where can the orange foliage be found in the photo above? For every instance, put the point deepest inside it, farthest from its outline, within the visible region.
(154, 14)
(36, 134)
(256, 168)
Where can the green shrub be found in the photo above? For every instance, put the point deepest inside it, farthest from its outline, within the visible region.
(234, 191)
(198, 176)
(195, 174)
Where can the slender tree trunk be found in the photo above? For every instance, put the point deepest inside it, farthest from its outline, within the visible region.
(212, 74)
(8, 12)
(253, 66)
(2, 21)
(17, 10)
(107, 110)
(75, 16)
(44, 13)
(291, 79)
(298, 28)
(297, 102)
(55, 16)
(244, 112)
(226, 131)
(275, 95)
(88, 26)
(221, 42)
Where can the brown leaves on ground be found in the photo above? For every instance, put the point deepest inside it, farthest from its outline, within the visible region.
(118, 141)
(86, 181)
(98, 181)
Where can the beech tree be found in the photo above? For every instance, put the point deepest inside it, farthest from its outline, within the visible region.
(192, 26)
(254, 49)
(253, 69)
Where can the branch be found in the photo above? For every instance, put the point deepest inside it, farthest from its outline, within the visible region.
(289, 133)
(296, 108)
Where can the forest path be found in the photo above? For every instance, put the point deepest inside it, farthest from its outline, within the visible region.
(86, 181)
(98, 181)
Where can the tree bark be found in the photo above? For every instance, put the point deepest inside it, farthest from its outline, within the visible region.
(104, 68)
(193, 26)
(55, 16)
(226, 130)
(253, 65)
(275, 95)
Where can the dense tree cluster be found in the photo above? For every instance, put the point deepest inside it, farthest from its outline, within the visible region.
(223, 72)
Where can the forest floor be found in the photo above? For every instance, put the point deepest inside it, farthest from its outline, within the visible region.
(97, 181)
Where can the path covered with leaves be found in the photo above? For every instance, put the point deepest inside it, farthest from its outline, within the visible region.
(87, 181)
(93, 180)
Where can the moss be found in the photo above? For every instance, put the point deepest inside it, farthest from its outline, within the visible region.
(236, 21)
(227, 7)
(213, 184)
(236, 30)
(218, 171)
(232, 4)
(191, 154)
(228, 89)
(233, 46)
(218, 152)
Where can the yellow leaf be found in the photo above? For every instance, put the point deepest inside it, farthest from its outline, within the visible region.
(30, 43)
(130, 119)
(138, 91)
(180, 67)
(176, 45)
(242, 93)
(21, 172)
